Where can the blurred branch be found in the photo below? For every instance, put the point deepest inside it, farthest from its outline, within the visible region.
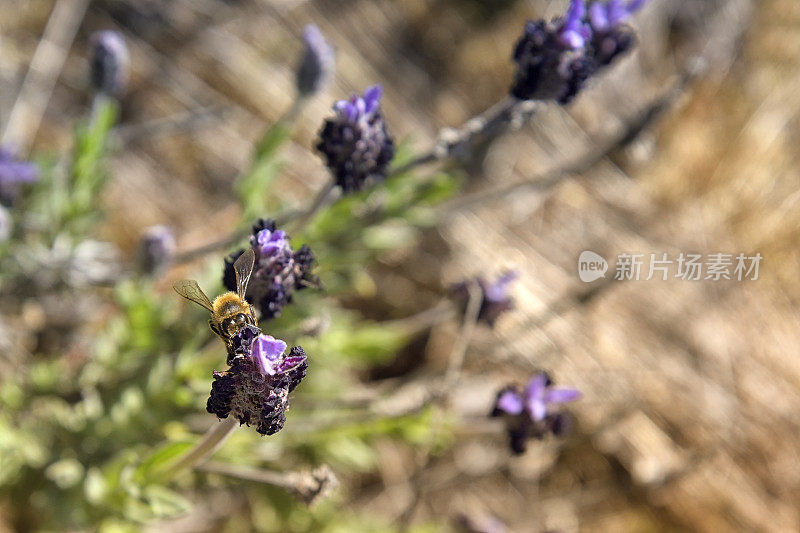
(457, 143)
(452, 143)
(542, 182)
(324, 197)
(310, 486)
(456, 360)
(177, 123)
(43, 73)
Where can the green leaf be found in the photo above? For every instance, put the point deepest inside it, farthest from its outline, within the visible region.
(160, 460)
(253, 186)
(166, 503)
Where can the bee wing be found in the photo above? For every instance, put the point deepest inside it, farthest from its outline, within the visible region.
(243, 268)
(189, 289)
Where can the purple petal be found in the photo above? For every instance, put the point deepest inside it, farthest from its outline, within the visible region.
(290, 363)
(617, 13)
(536, 387)
(537, 409)
(14, 171)
(598, 15)
(266, 352)
(636, 5)
(372, 98)
(313, 36)
(562, 395)
(270, 242)
(510, 402)
(572, 33)
(498, 291)
(574, 14)
(340, 106)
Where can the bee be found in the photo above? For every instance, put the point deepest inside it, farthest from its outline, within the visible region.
(229, 311)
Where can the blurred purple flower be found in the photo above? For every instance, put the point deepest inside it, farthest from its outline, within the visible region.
(156, 250)
(255, 388)
(534, 411)
(13, 174)
(110, 62)
(356, 142)
(555, 59)
(317, 65)
(279, 270)
(496, 299)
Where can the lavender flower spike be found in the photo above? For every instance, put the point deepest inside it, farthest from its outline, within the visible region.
(110, 62)
(255, 389)
(496, 299)
(356, 143)
(555, 59)
(539, 397)
(279, 270)
(533, 412)
(316, 67)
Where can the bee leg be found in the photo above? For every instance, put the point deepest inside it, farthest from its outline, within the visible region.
(215, 328)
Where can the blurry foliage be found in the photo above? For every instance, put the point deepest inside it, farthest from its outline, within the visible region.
(87, 434)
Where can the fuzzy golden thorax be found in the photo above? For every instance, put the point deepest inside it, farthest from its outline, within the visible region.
(230, 313)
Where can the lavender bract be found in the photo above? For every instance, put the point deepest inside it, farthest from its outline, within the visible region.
(356, 142)
(255, 388)
(496, 299)
(110, 62)
(279, 270)
(555, 59)
(316, 67)
(14, 173)
(533, 412)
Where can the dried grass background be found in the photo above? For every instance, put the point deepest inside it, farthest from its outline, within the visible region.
(691, 388)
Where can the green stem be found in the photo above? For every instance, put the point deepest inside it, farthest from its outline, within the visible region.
(211, 441)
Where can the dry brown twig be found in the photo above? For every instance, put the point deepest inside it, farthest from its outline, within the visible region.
(43, 73)
(310, 486)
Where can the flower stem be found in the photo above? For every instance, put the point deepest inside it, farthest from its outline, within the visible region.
(211, 441)
(323, 198)
(456, 360)
(452, 143)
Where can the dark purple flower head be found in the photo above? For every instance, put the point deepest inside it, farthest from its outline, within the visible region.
(555, 59)
(110, 62)
(356, 142)
(316, 67)
(496, 298)
(279, 270)
(533, 412)
(255, 388)
(156, 250)
(14, 173)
